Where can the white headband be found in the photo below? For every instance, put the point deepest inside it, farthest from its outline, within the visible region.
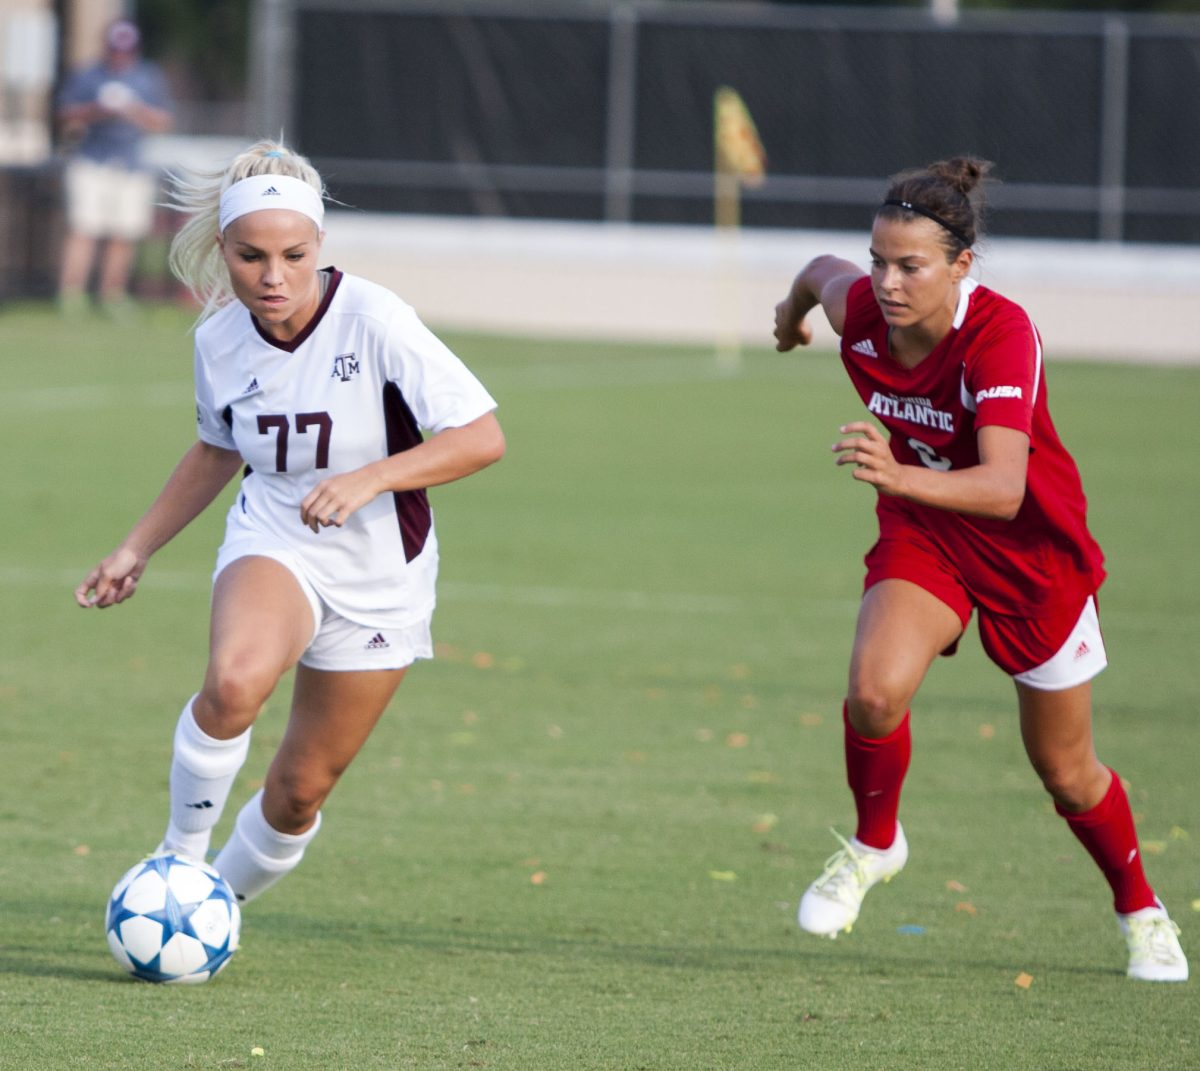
(270, 191)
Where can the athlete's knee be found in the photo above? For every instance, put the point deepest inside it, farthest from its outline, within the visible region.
(292, 798)
(874, 711)
(235, 689)
(1075, 784)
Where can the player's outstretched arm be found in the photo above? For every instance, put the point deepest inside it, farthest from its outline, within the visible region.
(449, 455)
(196, 481)
(824, 281)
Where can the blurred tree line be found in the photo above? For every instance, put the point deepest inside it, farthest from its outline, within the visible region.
(205, 43)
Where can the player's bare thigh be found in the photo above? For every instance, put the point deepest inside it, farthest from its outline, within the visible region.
(333, 714)
(261, 623)
(901, 629)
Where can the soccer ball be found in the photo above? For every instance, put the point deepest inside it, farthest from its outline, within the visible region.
(173, 919)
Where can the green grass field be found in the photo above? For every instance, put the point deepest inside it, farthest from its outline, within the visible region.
(578, 838)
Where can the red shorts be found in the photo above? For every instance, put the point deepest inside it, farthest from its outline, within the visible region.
(1016, 644)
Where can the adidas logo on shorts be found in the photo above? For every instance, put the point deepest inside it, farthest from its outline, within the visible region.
(377, 642)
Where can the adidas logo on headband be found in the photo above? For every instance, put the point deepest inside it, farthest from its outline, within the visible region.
(246, 195)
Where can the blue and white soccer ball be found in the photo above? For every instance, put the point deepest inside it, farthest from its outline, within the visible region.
(173, 919)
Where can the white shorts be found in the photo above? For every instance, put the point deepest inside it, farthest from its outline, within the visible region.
(337, 644)
(107, 201)
(1078, 660)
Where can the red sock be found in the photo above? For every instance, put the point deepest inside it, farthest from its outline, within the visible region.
(875, 771)
(1107, 832)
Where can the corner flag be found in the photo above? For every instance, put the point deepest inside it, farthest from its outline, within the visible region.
(738, 148)
(738, 160)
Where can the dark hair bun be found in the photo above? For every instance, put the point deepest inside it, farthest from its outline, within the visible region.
(949, 191)
(963, 173)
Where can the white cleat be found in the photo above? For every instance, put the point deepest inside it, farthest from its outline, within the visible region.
(830, 905)
(1154, 951)
(162, 849)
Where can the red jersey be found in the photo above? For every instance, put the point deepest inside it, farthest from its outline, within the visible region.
(987, 370)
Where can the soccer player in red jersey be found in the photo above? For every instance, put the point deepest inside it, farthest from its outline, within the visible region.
(980, 508)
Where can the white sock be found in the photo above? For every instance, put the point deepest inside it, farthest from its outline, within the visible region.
(202, 773)
(256, 856)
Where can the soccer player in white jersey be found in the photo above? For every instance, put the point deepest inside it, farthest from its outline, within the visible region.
(980, 510)
(318, 384)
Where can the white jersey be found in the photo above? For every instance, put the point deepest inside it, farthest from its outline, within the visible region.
(357, 384)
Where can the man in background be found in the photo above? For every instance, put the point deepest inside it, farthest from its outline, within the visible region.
(105, 111)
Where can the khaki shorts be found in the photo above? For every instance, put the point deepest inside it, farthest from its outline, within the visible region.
(106, 201)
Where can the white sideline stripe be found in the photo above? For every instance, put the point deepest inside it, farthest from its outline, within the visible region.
(609, 372)
(548, 375)
(15, 576)
(582, 598)
(178, 393)
(65, 580)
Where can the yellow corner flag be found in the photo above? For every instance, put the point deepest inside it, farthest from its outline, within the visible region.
(739, 160)
(738, 148)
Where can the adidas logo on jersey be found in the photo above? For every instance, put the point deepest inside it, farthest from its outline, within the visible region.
(377, 642)
(866, 347)
(253, 386)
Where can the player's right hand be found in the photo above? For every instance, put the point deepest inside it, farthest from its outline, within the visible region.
(112, 581)
(792, 328)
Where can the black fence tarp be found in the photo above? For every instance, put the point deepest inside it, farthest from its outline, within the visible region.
(31, 229)
(1092, 121)
(832, 102)
(451, 89)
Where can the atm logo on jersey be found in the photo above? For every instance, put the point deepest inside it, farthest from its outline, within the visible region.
(345, 367)
(912, 410)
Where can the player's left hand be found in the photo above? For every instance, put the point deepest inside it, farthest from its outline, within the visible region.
(332, 501)
(865, 448)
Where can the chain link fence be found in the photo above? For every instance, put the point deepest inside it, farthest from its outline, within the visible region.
(592, 111)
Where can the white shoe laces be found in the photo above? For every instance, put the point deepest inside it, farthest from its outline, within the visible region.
(844, 876)
(1154, 939)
